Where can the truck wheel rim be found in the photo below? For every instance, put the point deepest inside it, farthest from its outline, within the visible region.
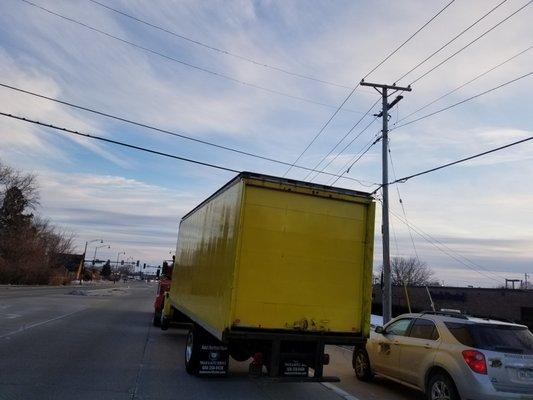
(440, 391)
(188, 348)
(360, 364)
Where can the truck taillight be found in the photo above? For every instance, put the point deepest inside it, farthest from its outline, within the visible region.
(476, 361)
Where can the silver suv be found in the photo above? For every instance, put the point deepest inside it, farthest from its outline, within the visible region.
(451, 356)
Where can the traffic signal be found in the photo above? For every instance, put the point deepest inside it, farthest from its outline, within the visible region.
(137, 262)
(144, 266)
(121, 262)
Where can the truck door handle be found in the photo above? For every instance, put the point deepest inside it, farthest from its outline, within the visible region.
(427, 346)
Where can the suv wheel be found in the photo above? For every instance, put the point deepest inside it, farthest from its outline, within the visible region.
(361, 365)
(441, 387)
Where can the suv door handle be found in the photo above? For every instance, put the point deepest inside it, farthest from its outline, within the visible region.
(427, 346)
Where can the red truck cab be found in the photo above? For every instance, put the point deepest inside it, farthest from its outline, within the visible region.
(163, 286)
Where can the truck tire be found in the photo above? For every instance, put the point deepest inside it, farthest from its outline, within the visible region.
(165, 323)
(157, 319)
(192, 350)
(361, 365)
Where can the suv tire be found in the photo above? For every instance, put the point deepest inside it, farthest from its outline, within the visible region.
(361, 365)
(441, 387)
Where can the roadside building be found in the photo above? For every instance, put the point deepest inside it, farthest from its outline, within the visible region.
(515, 305)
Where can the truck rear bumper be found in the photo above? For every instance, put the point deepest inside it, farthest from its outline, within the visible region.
(281, 334)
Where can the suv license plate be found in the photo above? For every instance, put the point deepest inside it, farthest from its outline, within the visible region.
(525, 374)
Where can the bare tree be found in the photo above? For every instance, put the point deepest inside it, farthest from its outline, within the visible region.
(410, 271)
(26, 183)
(29, 245)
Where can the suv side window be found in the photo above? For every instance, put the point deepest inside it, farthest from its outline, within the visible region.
(399, 327)
(424, 329)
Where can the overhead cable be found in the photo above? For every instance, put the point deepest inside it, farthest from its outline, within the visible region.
(471, 43)
(409, 39)
(445, 249)
(165, 131)
(359, 82)
(346, 146)
(217, 49)
(406, 178)
(464, 84)
(342, 139)
(354, 160)
(464, 100)
(449, 41)
(400, 199)
(116, 142)
(176, 60)
(368, 184)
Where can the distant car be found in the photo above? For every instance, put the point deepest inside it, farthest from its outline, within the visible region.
(451, 356)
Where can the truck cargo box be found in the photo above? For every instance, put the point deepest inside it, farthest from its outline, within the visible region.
(267, 254)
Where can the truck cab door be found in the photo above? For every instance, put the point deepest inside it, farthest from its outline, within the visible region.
(385, 357)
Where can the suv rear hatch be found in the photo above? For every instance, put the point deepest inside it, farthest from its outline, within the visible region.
(508, 351)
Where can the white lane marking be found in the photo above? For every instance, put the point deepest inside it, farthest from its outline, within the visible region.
(344, 348)
(345, 395)
(10, 316)
(26, 327)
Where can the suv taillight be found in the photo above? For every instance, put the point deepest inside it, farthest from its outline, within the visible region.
(476, 361)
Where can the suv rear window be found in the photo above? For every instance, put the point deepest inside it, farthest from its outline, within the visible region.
(504, 338)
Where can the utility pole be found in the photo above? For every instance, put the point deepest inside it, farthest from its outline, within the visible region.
(383, 91)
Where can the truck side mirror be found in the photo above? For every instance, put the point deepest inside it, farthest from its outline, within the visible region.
(379, 329)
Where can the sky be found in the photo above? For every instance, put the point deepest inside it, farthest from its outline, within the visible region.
(478, 214)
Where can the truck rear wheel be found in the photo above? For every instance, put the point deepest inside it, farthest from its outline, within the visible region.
(157, 319)
(165, 323)
(192, 351)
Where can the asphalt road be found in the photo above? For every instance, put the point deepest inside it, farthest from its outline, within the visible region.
(99, 344)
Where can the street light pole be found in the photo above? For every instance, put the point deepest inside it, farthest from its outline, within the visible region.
(82, 266)
(96, 248)
(116, 267)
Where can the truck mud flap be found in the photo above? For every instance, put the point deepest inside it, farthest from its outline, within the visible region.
(213, 359)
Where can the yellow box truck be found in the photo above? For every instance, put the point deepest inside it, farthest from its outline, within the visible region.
(272, 269)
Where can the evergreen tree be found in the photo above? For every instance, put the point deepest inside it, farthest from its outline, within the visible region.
(106, 270)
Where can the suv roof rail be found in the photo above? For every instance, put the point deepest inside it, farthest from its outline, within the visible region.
(490, 317)
(452, 314)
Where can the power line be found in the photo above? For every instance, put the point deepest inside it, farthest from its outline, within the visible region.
(322, 129)
(342, 139)
(406, 178)
(347, 145)
(358, 83)
(219, 50)
(355, 159)
(131, 146)
(164, 131)
(464, 101)
(470, 43)
(403, 207)
(465, 84)
(449, 41)
(187, 64)
(481, 267)
(442, 249)
(409, 38)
